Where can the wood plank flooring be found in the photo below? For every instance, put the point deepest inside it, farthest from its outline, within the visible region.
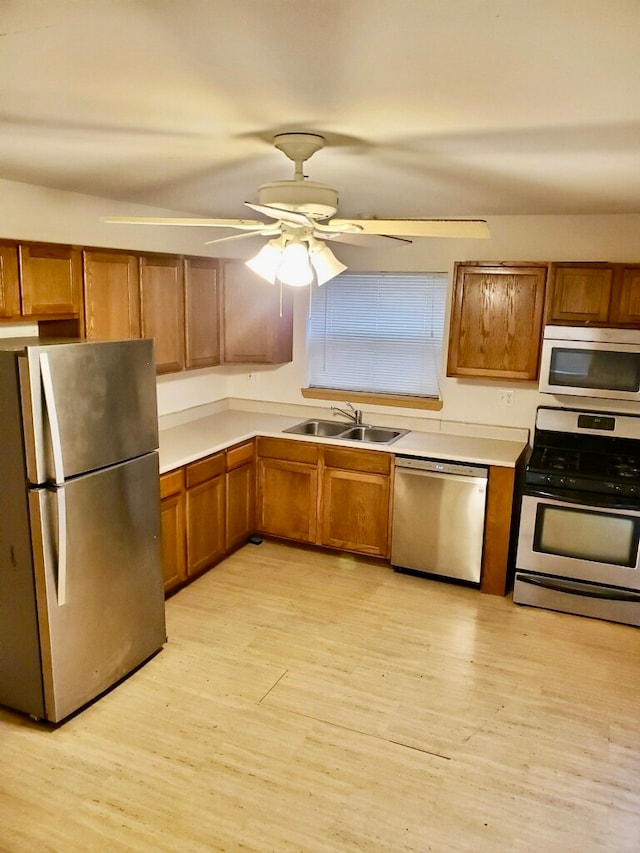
(316, 702)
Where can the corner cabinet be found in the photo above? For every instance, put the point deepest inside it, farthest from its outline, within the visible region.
(256, 318)
(594, 294)
(496, 320)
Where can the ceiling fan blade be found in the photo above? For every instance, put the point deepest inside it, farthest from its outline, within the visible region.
(280, 213)
(241, 224)
(464, 228)
(373, 241)
(266, 232)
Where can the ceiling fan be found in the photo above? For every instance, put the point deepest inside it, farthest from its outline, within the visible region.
(304, 218)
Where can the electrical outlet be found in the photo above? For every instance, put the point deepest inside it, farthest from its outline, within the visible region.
(506, 397)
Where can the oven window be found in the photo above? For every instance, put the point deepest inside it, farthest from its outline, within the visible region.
(587, 535)
(598, 369)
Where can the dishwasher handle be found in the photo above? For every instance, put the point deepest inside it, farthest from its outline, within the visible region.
(439, 466)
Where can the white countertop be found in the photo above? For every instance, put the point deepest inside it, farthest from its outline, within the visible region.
(195, 439)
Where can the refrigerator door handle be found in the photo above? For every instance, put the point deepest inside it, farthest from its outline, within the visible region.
(54, 427)
(62, 547)
(50, 551)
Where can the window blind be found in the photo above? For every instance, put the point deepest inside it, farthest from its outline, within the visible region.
(377, 333)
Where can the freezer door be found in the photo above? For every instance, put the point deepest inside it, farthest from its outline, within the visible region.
(98, 580)
(87, 405)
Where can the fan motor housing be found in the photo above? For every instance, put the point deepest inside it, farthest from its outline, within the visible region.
(317, 201)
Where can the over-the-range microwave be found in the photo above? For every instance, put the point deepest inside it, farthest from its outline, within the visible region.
(591, 362)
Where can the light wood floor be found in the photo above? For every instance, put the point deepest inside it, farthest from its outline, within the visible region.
(310, 702)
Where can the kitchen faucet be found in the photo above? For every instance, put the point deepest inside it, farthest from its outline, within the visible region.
(351, 413)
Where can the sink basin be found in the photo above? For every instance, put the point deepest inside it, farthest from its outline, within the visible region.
(321, 428)
(380, 435)
(335, 429)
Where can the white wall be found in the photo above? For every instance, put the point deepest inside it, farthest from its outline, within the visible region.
(34, 213)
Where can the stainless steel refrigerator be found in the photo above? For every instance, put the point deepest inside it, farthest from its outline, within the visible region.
(81, 591)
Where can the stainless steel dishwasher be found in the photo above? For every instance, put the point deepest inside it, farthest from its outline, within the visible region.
(438, 517)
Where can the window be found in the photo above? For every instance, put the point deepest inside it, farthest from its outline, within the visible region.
(377, 333)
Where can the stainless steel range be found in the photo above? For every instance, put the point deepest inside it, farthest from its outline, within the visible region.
(578, 541)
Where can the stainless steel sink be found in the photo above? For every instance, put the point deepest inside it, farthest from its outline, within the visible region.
(335, 429)
(381, 435)
(315, 427)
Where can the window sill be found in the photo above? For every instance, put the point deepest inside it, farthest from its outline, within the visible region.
(398, 400)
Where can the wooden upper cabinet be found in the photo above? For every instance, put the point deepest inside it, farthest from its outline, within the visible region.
(625, 302)
(111, 295)
(202, 327)
(496, 320)
(51, 279)
(9, 283)
(256, 327)
(597, 294)
(579, 294)
(162, 309)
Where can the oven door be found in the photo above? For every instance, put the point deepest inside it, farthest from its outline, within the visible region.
(579, 540)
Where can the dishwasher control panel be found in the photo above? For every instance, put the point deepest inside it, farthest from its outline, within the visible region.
(440, 466)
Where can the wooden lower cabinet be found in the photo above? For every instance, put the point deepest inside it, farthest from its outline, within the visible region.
(240, 494)
(207, 510)
(172, 529)
(287, 489)
(356, 491)
(205, 505)
(324, 496)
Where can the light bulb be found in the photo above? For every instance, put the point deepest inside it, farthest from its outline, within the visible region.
(295, 269)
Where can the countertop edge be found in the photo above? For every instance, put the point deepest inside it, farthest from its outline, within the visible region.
(188, 442)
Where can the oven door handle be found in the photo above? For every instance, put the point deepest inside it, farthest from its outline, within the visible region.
(596, 501)
(580, 588)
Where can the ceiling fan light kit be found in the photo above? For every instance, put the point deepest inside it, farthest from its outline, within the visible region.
(301, 209)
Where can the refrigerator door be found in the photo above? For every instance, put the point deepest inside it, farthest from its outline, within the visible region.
(98, 580)
(86, 405)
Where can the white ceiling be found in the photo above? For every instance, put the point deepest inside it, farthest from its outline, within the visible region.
(431, 108)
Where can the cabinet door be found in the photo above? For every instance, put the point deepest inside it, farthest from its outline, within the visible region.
(202, 335)
(579, 294)
(496, 321)
(9, 285)
(205, 513)
(50, 279)
(287, 496)
(241, 495)
(256, 327)
(625, 307)
(162, 309)
(111, 295)
(172, 526)
(355, 511)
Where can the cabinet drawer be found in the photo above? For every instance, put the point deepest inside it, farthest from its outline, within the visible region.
(371, 461)
(294, 451)
(171, 483)
(240, 455)
(205, 469)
